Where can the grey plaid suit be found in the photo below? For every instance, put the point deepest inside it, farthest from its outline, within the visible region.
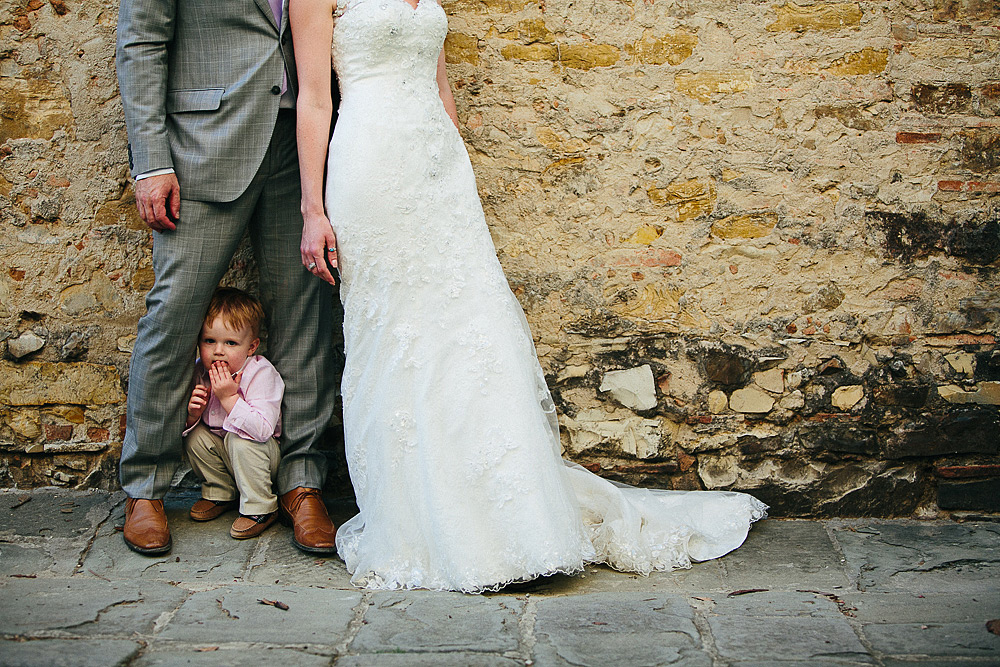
(199, 82)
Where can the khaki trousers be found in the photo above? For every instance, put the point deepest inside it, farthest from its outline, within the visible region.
(232, 467)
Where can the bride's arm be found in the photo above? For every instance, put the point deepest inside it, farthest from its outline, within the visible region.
(311, 22)
(444, 88)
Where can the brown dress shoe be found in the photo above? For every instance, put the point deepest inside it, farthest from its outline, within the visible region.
(146, 530)
(303, 508)
(247, 526)
(206, 510)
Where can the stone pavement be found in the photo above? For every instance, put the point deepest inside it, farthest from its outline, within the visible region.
(836, 592)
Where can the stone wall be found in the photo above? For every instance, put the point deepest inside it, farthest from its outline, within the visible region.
(757, 242)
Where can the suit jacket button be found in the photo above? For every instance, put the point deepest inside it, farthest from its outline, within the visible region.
(275, 90)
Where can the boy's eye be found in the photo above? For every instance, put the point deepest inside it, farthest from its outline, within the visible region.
(232, 343)
(209, 341)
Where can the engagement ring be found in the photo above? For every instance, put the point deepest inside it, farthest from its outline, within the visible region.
(312, 265)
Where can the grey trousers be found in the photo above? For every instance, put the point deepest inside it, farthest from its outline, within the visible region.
(188, 264)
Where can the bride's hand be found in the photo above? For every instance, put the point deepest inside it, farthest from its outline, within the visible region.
(319, 246)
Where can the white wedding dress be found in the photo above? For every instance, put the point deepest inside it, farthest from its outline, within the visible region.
(451, 434)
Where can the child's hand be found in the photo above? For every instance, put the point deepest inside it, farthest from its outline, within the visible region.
(197, 404)
(224, 385)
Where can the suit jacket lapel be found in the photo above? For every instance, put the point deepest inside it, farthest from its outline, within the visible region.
(266, 8)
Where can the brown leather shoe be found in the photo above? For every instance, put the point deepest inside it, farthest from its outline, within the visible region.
(247, 526)
(303, 508)
(206, 510)
(146, 530)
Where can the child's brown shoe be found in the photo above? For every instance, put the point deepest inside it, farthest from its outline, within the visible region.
(251, 526)
(206, 510)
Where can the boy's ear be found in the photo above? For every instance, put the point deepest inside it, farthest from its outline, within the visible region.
(254, 345)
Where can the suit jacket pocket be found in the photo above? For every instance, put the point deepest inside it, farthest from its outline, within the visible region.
(194, 99)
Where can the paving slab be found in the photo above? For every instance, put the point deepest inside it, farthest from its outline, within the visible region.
(759, 627)
(897, 556)
(203, 553)
(603, 579)
(276, 560)
(315, 616)
(67, 652)
(938, 640)
(428, 660)
(786, 556)
(223, 656)
(84, 607)
(978, 607)
(54, 512)
(55, 557)
(617, 628)
(414, 621)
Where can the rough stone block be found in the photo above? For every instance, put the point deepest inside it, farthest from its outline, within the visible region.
(746, 226)
(461, 48)
(941, 99)
(412, 621)
(25, 344)
(705, 85)
(628, 629)
(751, 400)
(824, 16)
(634, 388)
(693, 198)
(42, 382)
(846, 397)
(234, 613)
(962, 431)
(865, 61)
(981, 149)
(652, 49)
(978, 495)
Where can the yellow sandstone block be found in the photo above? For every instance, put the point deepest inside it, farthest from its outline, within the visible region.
(865, 61)
(588, 56)
(747, 226)
(703, 85)
(652, 50)
(821, 16)
(461, 48)
(43, 382)
(693, 198)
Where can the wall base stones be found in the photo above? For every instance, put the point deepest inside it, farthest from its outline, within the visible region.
(757, 242)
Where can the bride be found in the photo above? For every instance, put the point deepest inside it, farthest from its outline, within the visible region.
(451, 435)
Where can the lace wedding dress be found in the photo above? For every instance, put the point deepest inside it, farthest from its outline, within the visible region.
(452, 440)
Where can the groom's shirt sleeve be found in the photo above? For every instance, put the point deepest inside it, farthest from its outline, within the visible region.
(145, 29)
(257, 413)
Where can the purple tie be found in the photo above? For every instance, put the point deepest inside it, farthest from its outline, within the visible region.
(276, 10)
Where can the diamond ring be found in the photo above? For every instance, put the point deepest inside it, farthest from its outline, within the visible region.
(312, 265)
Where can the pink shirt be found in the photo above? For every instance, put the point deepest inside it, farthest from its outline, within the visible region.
(257, 413)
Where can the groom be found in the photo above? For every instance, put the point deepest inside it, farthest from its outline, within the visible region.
(208, 90)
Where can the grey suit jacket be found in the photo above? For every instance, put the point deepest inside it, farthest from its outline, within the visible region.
(200, 88)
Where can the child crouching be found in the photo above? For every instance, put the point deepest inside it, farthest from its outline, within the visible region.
(234, 417)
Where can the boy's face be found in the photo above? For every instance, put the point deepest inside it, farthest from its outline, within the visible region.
(220, 343)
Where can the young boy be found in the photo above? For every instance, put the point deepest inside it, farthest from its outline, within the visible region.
(234, 417)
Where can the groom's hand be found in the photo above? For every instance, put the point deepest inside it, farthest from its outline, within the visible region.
(158, 199)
